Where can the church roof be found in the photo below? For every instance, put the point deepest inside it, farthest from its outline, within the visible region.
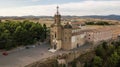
(68, 26)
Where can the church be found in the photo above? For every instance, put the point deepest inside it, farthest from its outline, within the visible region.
(69, 36)
(66, 36)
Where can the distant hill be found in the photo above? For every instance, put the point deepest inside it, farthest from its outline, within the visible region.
(109, 17)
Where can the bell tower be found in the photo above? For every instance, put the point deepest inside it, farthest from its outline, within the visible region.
(57, 17)
(56, 31)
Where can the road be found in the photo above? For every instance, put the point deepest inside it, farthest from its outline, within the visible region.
(24, 57)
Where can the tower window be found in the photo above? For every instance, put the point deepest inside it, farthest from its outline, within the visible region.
(55, 34)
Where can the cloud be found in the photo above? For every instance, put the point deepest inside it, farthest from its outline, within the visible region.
(78, 8)
(35, 0)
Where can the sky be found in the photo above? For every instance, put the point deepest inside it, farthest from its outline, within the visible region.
(66, 7)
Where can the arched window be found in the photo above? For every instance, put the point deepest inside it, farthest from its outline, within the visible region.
(55, 34)
(77, 45)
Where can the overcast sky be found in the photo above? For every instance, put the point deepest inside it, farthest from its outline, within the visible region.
(67, 7)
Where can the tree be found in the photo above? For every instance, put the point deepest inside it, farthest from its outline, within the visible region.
(19, 35)
(118, 50)
(16, 33)
(45, 30)
(104, 45)
(97, 61)
(6, 42)
(113, 60)
(118, 64)
(100, 51)
(74, 64)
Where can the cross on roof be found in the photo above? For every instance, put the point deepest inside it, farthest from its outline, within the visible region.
(57, 9)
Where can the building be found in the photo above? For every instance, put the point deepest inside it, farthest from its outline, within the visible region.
(70, 36)
(97, 35)
(65, 37)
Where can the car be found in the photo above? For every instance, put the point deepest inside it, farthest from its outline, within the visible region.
(27, 47)
(33, 46)
(30, 46)
(5, 53)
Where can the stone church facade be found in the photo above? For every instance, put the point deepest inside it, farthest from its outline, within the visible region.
(64, 37)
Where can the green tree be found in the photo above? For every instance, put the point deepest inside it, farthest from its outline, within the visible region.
(97, 62)
(19, 35)
(113, 60)
(118, 50)
(6, 42)
(16, 33)
(45, 30)
(104, 45)
(100, 51)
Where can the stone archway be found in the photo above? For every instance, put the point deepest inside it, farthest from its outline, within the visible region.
(77, 45)
(55, 46)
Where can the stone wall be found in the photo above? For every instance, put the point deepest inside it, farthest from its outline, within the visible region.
(68, 56)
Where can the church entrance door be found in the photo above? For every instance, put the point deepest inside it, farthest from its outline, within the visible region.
(54, 46)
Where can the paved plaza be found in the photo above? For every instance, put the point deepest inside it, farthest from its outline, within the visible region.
(20, 58)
